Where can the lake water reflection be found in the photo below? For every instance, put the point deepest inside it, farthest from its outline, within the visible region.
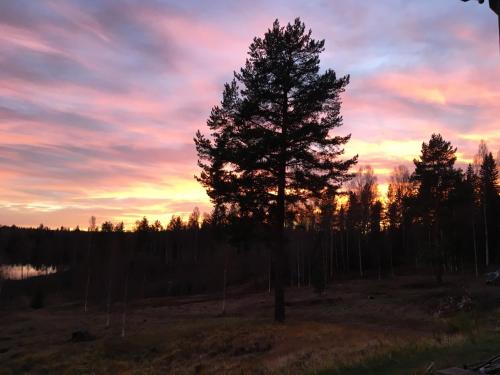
(19, 272)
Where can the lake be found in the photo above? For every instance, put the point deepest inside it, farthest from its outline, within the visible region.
(25, 271)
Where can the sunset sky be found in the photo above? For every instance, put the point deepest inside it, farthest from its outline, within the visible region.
(99, 100)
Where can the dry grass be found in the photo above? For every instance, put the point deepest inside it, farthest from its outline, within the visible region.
(357, 321)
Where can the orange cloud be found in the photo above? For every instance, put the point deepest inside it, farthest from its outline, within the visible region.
(99, 101)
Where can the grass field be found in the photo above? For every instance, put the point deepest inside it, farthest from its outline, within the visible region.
(358, 327)
(419, 359)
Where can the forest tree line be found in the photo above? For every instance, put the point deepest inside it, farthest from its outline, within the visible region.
(437, 219)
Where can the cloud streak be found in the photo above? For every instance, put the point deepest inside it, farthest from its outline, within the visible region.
(99, 100)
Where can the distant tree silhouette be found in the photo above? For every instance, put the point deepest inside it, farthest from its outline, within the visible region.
(92, 228)
(156, 226)
(488, 186)
(471, 202)
(400, 185)
(194, 218)
(488, 177)
(363, 189)
(107, 226)
(436, 178)
(175, 223)
(93, 224)
(119, 227)
(322, 239)
(175, 227)
(322, 251)
(272, 143)
(375, 233)
(142, 225)
(478, 158)
(399, 193)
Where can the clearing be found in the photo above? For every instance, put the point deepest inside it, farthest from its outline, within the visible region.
(394, 326)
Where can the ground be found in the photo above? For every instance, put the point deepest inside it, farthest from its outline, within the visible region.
(396, 326)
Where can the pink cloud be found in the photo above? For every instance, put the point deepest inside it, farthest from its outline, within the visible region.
(99, 102)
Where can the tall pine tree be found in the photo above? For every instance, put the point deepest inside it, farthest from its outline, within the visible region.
(436, 178)
(272, 144)
(488, 185)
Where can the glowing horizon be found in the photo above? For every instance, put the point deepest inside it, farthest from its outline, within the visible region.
(100, 100)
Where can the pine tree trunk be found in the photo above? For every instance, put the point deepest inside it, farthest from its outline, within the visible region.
(309, 272)
(143, 286)
(342, 251)
(111, 268)
(360, 257)
(325, 262)
(269, 275)
(280, 263)
(280, 255)
(392, 263)
(475, 247)
(108, 304)
(322, 254)
(379, 260)
(440, 258)
(87, 286)
(224, 288)
(89, 269)
(332, 251)
(125, 302)
(347, 251)
(195, 246)
(487, 249)
(391, 248)
(404, 240)
(298, 265)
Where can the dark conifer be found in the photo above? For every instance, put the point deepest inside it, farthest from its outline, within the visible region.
(436, 178)
(488, 187)
(272, 143)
